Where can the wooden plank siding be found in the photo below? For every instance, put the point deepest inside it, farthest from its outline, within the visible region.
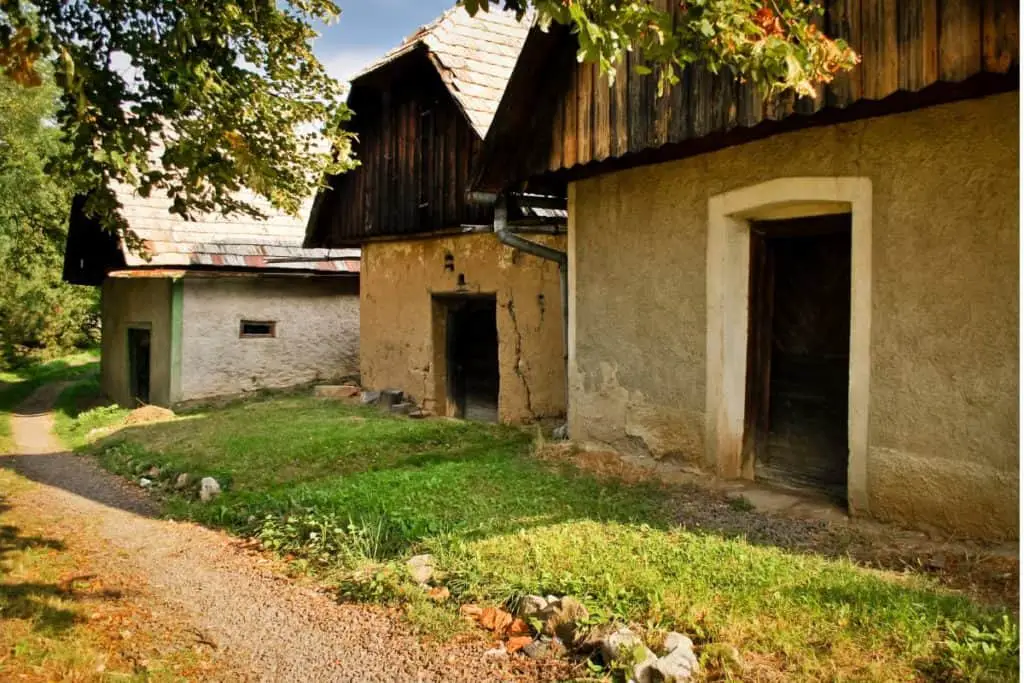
(416, 150)
(906, 45)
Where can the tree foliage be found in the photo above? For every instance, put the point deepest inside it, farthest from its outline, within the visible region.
(200, 99)
(775, 44)
(196, 100)
(38, 312)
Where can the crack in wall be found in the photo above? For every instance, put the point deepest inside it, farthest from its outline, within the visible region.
(519, 354)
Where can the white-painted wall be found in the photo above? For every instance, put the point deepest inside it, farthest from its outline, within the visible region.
(317, 333)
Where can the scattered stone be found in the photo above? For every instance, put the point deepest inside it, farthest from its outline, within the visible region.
(420, 414)
(531, 606)
(627, 649)
(369, 397)
(183, 480)
(495, 619)
(499, 651)
(561, 618)
(148, 414)
(145, 483)
(335, 391)
(518, 628)
(389, 397)
(153, 472)
(517, 643)
(421, 568)
(545, 648)
(439, 593)
(208, 489)
(403, 408)
(561, 432)
(680, 664)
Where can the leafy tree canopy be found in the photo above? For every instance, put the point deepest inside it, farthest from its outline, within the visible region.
(194, 99)
(775, 44)
(198, 99)
(38, 312)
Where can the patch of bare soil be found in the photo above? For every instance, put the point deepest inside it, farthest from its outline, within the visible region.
(148, 414)
(262, 625)
(986, 573)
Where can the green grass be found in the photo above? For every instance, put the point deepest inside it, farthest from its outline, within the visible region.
(352, 492)
(16, 385)
(80, 409)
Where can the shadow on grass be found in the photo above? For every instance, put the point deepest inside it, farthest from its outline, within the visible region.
(48, 606)
(332, 482)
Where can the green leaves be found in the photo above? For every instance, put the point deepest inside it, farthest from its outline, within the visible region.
(192, 99)
(775, 44)
(38, 312)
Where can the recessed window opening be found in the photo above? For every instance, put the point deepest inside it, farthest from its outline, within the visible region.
(258, 328)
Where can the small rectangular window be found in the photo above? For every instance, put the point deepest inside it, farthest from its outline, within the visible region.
(258, 328)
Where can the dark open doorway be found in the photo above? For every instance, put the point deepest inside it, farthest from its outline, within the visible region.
(799, 352)
(138, 363)
(472, 356)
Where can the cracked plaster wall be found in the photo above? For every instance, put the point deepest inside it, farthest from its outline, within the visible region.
(943, 428)
(400, 338)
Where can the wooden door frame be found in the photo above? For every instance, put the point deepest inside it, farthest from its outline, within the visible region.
(444, 305)
(728, 284)
(129, 328)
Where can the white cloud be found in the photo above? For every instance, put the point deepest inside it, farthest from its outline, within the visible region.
(345, 63)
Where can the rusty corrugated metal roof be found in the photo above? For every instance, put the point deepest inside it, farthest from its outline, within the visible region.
(237, 241)
(474, 55)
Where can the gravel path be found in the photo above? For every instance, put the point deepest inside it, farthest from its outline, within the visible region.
(266, 627)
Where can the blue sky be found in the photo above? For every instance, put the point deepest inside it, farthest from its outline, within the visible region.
(369, 28)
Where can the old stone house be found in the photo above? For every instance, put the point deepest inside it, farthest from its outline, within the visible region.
(216, 306)
(451, 316)
(820, 293)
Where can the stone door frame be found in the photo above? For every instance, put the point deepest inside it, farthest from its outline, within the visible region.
(727, 288)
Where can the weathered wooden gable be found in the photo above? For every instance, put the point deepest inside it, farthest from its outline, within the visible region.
(559, 114)
(415, 149)
(421, 112)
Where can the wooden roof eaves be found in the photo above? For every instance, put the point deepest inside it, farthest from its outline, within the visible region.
(943, 92)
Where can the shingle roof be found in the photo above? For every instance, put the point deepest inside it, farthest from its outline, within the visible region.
(237, 241)
(474, 55)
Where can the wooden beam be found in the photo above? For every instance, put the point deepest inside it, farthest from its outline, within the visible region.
(602, 116)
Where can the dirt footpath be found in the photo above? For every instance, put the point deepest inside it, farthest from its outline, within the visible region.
(199, 585)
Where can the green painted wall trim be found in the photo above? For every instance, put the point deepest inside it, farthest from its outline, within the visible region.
(177, 309)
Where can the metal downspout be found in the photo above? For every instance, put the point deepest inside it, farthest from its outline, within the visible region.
(507, 237)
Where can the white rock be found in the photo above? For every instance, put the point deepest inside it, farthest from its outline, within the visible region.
(532, 606)
(680, 664)
(421, 568)
(561, 432)
(208, 489)
(626, 644)
(145, 483)
(183, 480)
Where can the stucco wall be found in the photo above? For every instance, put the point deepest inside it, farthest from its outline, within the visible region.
(317, 333)
(135, 301)
(943, 430)
(399, 280)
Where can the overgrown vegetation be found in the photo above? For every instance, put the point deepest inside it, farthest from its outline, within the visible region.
(351, 493)
(40, 316)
